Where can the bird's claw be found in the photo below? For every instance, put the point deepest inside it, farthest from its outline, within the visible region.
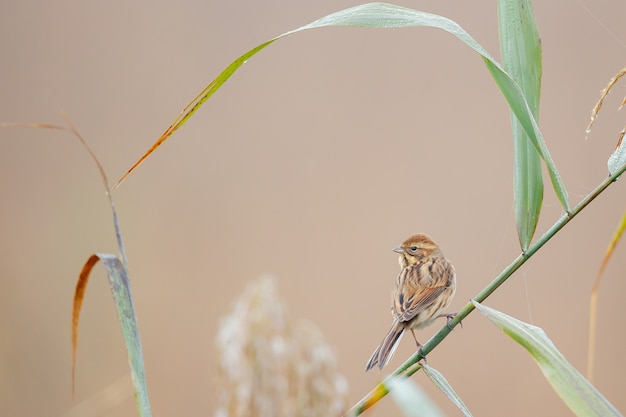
(449, 317)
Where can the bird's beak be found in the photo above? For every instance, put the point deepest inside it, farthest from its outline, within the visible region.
(398, 249)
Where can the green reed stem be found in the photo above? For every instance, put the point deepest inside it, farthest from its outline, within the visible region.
(411, 365)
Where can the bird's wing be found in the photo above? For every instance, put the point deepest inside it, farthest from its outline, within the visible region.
(418, 287)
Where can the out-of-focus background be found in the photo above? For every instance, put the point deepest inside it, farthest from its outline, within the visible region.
(315, 159)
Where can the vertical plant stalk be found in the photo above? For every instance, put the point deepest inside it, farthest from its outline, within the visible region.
(521, 58)
(411, 365)
(593, 308)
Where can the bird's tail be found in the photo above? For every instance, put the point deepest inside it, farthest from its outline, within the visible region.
(387, 347)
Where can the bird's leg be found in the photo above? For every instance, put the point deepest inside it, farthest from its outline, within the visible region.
(419, 346)
(449, 317)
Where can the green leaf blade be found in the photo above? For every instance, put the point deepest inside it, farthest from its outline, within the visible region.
(521, 58)
(514, 97)
(442, 383)
(577, 393)
(120, 289)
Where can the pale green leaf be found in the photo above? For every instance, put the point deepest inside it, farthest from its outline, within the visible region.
(618, 157)
(120, 289)
(442, 383)
(578, 393)
(521, 58)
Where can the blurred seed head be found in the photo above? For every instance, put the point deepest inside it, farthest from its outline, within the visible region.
(267, 368)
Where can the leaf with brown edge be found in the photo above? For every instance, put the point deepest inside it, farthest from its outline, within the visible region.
(119, 282)
(195, 104)
(118, 276)
(383, 15)
(115, 270)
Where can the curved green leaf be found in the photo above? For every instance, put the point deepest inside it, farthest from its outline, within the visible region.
(383, 15)
(578, 393)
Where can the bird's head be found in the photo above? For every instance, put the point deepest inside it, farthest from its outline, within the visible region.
(415, 249)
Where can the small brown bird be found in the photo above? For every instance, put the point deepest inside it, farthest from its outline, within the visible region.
(425, 287)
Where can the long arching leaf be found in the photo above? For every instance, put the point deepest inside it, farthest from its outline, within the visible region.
(383, 15)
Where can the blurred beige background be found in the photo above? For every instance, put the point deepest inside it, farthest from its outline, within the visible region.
(311, 163)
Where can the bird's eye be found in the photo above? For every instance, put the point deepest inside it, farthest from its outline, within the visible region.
(414, 248)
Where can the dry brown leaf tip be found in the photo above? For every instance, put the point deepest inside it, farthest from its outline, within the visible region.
(603, 95)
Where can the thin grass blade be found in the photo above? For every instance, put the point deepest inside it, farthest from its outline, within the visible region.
(442, 383)
(593, 308)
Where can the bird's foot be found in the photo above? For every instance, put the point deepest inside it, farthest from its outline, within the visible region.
(449, 317)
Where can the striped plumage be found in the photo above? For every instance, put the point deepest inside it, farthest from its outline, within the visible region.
(424, 288)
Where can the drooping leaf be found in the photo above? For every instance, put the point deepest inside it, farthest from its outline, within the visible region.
(412, 401)
(120, 289)
(117, 273)
(119, 282)
(383, 15)
(521, 58)
(578, 393)
(442, 383)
